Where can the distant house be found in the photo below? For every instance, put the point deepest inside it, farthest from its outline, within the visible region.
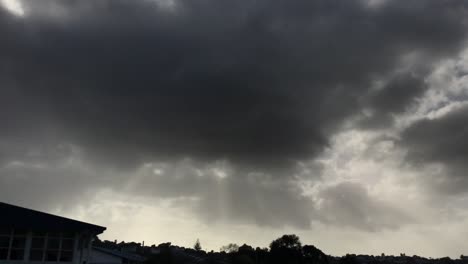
(113, 256)
(29, 236)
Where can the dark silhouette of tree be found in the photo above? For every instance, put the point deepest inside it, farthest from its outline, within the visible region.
(261, 255)
(164, 245)
(286, 250)
(286, 241)
(197, 245)
(246, 249)
(244, 254)
(314, 255)
(349, 259)
(164, 256)
(229, 248)
(243, 259)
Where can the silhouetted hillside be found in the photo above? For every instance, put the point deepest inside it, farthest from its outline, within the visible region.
(287, 249)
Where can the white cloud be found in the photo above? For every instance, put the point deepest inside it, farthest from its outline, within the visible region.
(15, 7)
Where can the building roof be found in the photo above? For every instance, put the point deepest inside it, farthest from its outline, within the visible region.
(120, 254)
(13, 216)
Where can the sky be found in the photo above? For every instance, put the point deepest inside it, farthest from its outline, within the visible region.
(344, 122)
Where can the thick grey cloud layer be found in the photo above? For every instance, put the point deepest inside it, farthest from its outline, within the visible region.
(349, 204)
(252, 82)
(396, 96)
(442, 141)
(261, 85)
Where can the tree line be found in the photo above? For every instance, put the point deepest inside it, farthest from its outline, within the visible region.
(286, 249)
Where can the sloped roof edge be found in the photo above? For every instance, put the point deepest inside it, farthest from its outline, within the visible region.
(13, 216)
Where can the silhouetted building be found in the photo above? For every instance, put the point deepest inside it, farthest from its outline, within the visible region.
(29, 236)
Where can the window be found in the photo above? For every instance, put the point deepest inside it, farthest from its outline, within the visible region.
(5, 231)
(5, 237)
(5, 241)
(38, 243)
(53, 243)
(52, 247)
(3, 253)
(36, 255)
(66, 256)
(12, 244)
(18, 244)
(52, 255)
(66, 249)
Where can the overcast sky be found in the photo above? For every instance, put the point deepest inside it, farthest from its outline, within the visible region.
(345, 122)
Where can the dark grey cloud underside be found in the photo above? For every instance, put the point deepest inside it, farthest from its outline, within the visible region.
(441, 141)
(259, 83)
(395, 97)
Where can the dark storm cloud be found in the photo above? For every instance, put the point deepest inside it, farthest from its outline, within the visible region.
(255, 82)
(260, 84)
(441, 141)
(399, 93)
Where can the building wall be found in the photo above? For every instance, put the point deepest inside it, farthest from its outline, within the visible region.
(23, 247)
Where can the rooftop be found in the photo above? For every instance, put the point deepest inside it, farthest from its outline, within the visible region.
(19, 217)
